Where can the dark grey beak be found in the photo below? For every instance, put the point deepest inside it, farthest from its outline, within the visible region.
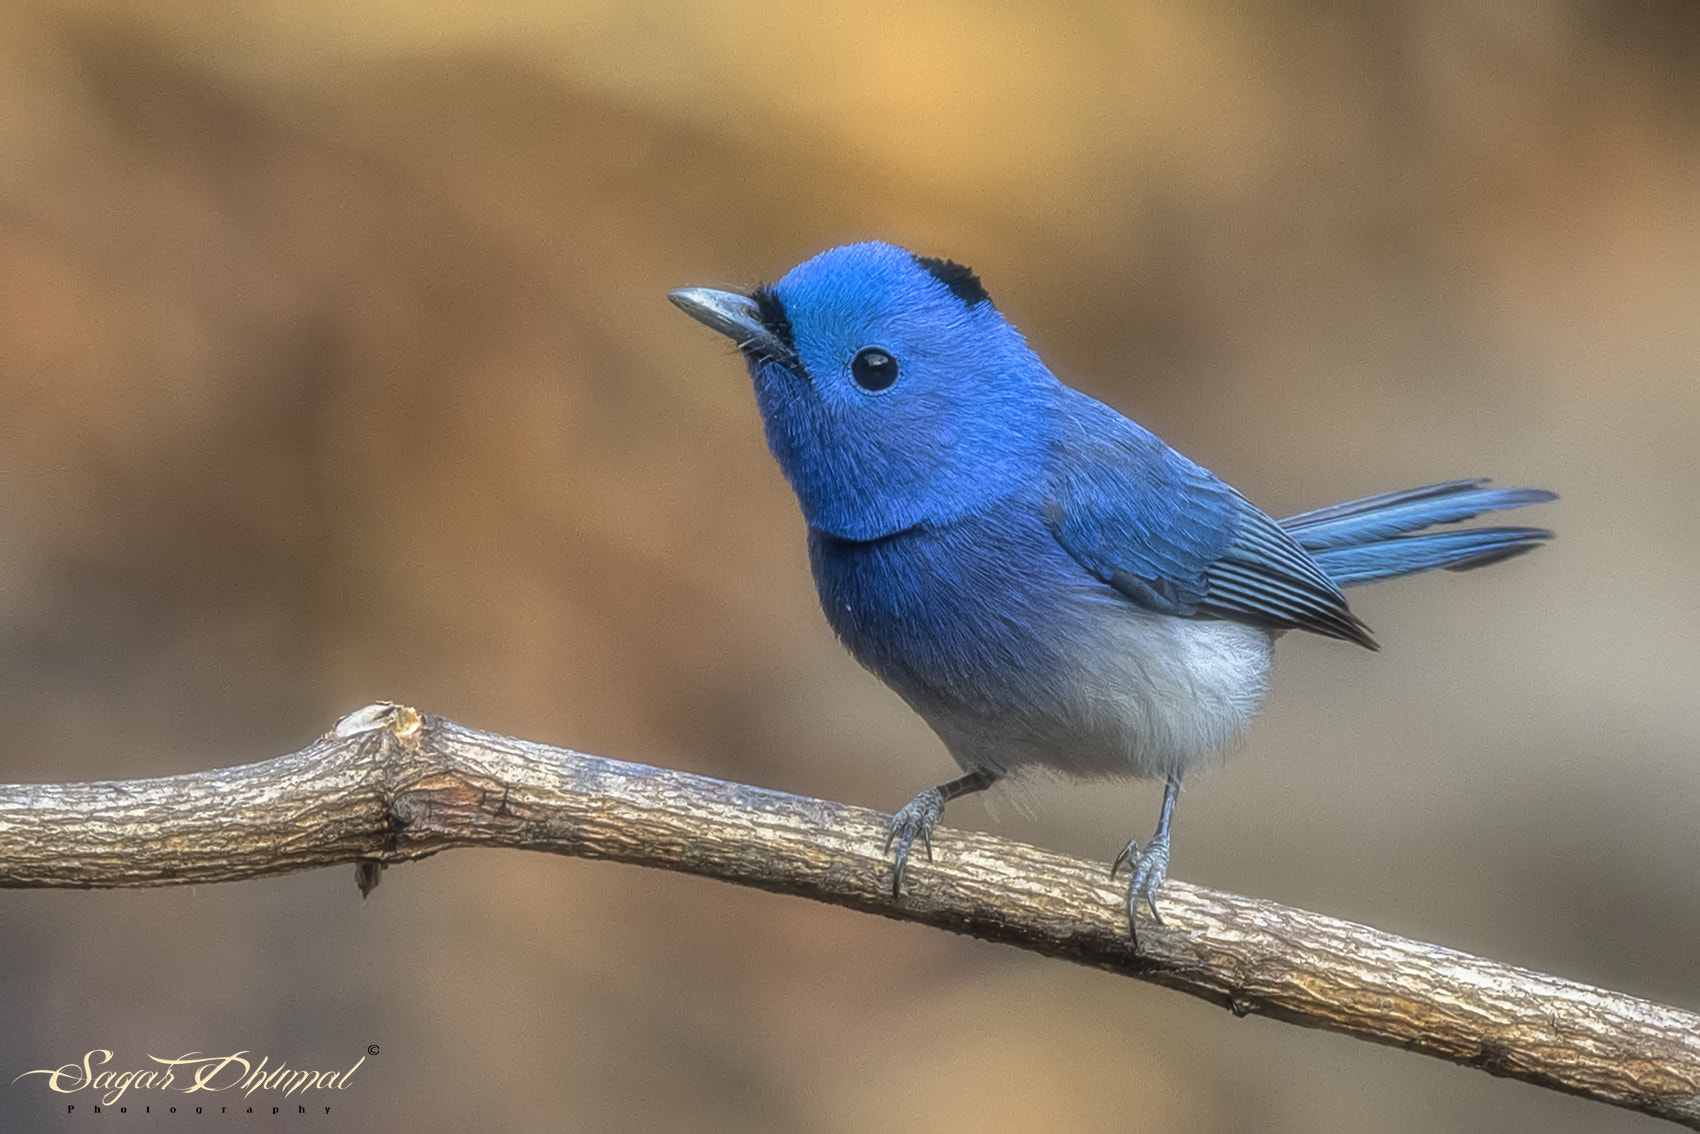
(734, 316)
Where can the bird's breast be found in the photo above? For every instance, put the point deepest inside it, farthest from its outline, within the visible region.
(1015, 655)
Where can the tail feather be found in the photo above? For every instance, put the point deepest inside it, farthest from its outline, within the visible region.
(1407, 555)
(1393, 513)
(1361, 541)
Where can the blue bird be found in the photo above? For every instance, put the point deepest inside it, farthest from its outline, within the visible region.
(1041, 579)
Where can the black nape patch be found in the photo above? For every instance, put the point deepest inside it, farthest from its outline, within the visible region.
(772, 313)
(959, 278)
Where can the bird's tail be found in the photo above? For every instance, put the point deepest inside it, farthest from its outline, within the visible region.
(1365, 540)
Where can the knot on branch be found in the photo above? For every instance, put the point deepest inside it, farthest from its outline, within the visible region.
(431, 799)
(403, 723)
(385, 730)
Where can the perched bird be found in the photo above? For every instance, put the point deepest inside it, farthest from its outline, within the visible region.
(1041, 579)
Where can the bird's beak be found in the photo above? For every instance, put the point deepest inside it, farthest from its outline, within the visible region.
(734, 316)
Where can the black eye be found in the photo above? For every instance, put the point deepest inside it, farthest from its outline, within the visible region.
(874, 369)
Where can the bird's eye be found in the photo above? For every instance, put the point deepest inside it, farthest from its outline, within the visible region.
(874, 369)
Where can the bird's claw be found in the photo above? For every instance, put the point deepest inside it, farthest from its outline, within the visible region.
(913, 820)
(1147, 867)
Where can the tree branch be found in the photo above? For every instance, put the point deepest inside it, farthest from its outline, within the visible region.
(390, 784)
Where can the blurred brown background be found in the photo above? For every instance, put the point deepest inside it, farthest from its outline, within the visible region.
(336, 365)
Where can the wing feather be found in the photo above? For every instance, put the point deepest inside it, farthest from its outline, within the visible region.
(1171, 537)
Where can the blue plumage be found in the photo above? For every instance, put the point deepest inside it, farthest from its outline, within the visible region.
(1039, 577)
(1365, 540)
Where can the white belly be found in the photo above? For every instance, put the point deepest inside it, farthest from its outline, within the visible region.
(1148, 696)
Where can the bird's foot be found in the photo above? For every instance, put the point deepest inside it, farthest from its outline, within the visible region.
(915, 819)
(1148, 866)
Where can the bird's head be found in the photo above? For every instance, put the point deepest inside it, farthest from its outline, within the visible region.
(893, 393)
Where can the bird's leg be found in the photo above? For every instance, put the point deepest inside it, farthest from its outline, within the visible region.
(919, 815)
(1148, 864)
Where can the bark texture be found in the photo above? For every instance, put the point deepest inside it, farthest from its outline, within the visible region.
(390, 784)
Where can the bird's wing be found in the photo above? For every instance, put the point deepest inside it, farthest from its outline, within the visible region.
(1173, 538)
